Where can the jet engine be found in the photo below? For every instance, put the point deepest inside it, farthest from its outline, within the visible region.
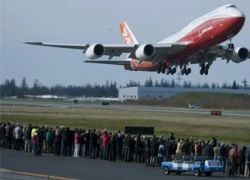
(145, 51)
(240, 54)
(95, 51)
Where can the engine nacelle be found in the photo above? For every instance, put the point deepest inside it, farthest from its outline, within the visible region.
(239, 54)
(145, 51)
(95, 51)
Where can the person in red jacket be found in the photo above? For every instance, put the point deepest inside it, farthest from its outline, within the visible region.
(77, 143)
(105, 142)
(35, 143)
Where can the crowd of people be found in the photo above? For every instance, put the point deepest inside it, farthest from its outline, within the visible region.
(95, 144)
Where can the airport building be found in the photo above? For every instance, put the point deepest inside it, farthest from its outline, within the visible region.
(136, 93)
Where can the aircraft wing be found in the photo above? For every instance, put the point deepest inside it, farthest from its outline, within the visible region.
(111, 50)
(219, 51)
(113, 62)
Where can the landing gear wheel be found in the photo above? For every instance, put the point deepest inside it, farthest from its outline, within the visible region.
(183, 71)
(206, 72)
(230, 46)
(166, 171)
(197, 172)
(201, 72)
(173, 70)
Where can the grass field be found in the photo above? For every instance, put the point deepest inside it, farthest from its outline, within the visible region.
(197, 126)
(206, 100)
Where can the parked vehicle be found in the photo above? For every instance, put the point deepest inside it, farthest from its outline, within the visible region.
(198, 165)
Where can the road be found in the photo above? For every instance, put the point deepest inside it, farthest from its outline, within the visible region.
(66, 104)
(22, 165)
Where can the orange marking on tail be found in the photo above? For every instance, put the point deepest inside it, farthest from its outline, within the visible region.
(126, 36)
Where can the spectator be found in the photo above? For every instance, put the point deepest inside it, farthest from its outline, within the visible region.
(161, 153)
(58, 140)
(120, 145)
(223, 156)
(148, 151)
(87, 142)
(93, 144)
(138, 145)
(232, 160)
(113, 148)
(208, 150)
(171, 137)
(247, 168)
(35, 144)
(242, 158)
(65, 141)
(179, 147)
(127, 149)
(154, 151)
(49, 141)
(18, 137)
(8, 136)
(105, 142)
(186, 148)
(216, 150)
(77, 143)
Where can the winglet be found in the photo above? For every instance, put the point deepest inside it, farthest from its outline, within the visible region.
(127, 35)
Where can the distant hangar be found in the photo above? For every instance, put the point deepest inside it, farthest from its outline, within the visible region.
(136, 93)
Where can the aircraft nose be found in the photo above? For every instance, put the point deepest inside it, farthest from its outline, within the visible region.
(237, 13)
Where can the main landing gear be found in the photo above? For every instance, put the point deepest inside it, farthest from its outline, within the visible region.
(163, 68)
(204, 68)
(185, 71)
(171, 70)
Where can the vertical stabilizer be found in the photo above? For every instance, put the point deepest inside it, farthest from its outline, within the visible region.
(127, 35)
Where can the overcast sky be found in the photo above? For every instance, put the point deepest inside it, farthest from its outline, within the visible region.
(97, 21)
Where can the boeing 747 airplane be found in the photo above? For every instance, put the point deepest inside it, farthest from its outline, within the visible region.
(198, 43)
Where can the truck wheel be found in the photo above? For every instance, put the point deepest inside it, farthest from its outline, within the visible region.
(197, 172)
(208, 173)
(166, 171)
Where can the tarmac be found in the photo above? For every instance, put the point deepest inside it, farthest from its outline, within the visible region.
(20, 165)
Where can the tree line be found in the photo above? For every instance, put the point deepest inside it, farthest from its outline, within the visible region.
(9, 88)
(187, 84)
(109, 89)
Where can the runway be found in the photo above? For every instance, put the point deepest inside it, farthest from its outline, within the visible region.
(65, 104)
(22, 165)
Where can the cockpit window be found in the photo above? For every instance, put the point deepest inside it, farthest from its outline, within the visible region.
(230, 6)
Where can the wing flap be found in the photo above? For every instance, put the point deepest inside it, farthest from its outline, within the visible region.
(113, 62)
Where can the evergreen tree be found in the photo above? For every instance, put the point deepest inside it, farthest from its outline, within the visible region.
(244, 82)
(213, 86)
(173, 83)
(234, 86)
